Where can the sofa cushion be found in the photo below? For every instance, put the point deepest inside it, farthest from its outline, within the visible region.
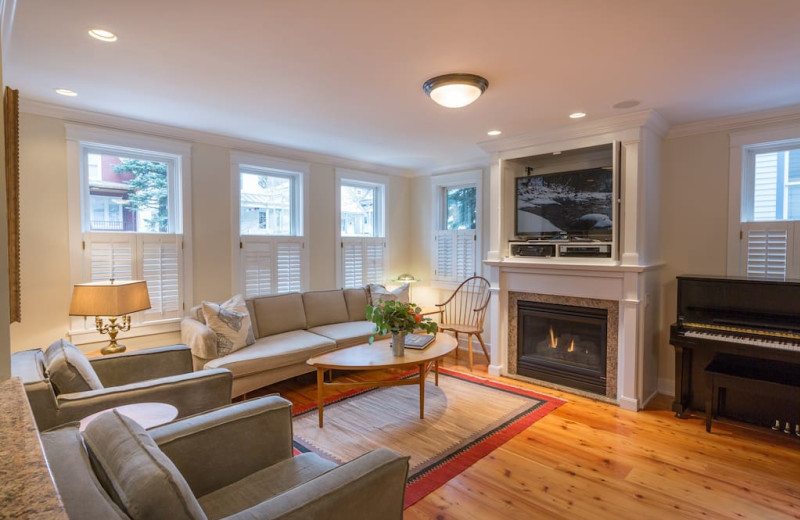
(69, 369)
(145, 482)
(347, 334)
(230, 321)
(324, 307)
(264, 484)
(278, 314)
(356, 300)
(278, 350)
(379, 292)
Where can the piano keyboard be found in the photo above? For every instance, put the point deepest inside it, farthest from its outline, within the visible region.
(745, 340)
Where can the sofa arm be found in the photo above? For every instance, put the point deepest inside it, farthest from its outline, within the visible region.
(141, 365)
(190, 393)
(201, 339)
(371, 486)
(217, 448)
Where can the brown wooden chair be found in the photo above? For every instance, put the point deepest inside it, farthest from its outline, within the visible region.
(464, 311)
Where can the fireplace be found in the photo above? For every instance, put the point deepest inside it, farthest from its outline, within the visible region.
(563, 344)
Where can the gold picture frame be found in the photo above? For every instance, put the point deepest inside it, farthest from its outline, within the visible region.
(11, 126)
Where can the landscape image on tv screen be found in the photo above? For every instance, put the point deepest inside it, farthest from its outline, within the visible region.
(577, 203)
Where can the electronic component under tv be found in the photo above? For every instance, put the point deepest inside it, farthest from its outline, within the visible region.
(574, 204)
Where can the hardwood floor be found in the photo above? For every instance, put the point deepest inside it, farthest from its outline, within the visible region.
(589, 459)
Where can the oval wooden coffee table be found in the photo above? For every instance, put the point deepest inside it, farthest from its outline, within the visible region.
(378, 356)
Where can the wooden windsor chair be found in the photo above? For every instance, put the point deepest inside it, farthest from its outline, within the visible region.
(463, 312)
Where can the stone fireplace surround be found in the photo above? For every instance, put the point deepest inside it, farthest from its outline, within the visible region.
(611, 307)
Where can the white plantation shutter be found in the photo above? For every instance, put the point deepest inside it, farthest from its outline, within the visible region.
(455, 254)
(109, 255)
(256, 269)
(272, 265)
(767, 249)
(289, 264)
(363, 261)
(353, 262)
(161, 268)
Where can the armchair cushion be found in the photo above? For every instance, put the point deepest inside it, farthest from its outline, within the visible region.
(231, 323)
(69, 369)
(144, 481)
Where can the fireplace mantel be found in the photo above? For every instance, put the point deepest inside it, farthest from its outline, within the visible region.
(630, 278)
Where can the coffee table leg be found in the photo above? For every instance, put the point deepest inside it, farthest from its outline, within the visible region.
(320, 383)
(436, 369)
(422, 375)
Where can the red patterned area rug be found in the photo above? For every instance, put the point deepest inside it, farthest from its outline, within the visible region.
(466, 418)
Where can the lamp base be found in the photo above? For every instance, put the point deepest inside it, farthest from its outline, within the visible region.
(112, 348)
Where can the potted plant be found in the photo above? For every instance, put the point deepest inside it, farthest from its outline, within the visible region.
(400, 319)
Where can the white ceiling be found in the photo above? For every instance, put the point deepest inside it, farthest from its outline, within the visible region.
(344, 77)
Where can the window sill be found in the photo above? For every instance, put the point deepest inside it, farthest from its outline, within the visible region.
(84, 336)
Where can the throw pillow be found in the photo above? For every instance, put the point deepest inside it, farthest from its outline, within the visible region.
(69, 369)
(379, 292)
(136, 473)
(231, 323)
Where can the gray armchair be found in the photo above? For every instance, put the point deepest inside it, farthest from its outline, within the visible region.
(62, 385)
(234, 462)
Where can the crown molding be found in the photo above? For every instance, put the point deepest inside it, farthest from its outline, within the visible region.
(645, 118)
(73, 115)
(737, 122)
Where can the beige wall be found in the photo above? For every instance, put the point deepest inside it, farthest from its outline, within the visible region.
(5, 341)
(46, 286)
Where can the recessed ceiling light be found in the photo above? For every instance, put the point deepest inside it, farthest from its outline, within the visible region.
(66, 92)
(577, 115)
(102, 35)
(630, 103)
(494, 132)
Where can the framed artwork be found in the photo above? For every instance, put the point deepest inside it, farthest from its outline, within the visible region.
(11, 120)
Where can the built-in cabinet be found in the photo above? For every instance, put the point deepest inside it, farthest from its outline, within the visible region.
(628, 277)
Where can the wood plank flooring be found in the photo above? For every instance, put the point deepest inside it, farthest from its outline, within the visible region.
(590, 459)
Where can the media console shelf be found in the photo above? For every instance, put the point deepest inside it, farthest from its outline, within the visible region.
(560, 249)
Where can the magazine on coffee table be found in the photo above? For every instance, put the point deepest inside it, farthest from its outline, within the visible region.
(418, 341)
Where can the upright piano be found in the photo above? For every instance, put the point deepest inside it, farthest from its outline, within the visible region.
(757, 319)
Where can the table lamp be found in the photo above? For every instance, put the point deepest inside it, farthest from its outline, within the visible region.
(112, 299)
(406, 278)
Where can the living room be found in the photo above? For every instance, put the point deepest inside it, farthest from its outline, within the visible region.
(733, 97)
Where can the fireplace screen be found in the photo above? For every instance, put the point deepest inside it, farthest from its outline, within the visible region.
(563, 344)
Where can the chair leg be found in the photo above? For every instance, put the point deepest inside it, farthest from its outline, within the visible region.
(469, 350)
(483, 346)
(456, 346)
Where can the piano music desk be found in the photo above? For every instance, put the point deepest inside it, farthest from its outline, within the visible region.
(758, 376)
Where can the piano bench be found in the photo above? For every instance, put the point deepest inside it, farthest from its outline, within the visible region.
(756, 374)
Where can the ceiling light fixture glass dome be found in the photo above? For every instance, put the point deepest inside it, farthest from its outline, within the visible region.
(455, 90)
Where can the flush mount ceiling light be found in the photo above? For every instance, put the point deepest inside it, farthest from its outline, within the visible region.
(455, 90)
(102, 35)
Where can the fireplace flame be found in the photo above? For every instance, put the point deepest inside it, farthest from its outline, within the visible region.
(553, 340)
(571, 346)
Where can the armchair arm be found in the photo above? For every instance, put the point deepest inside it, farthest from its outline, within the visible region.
(141, 365)
(371, 486)
(217, 448)
(201, 339)
(190, 393)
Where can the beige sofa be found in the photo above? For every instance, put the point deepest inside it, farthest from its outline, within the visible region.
(289, 329)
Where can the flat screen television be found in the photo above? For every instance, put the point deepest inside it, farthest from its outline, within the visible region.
(575, 204)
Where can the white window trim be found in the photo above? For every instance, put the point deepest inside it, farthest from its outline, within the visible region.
(82, 329)
(742, 144)
(439, 182)
(280, 166)
(381, 211)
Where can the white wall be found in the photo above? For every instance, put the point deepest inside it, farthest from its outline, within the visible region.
(46, 287)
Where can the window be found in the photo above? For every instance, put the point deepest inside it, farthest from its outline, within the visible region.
(271, 248)
(768, 216)
(128, 192)
(456, 236)
(362, 239)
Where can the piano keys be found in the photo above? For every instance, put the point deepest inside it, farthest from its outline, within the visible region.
(758, 319)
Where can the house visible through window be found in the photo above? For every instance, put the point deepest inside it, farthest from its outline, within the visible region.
(361, 230)
(456, 233)
(272, 251)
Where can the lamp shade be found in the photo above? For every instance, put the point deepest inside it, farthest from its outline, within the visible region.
(455, 90)
(406, 278)
(109, 298)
